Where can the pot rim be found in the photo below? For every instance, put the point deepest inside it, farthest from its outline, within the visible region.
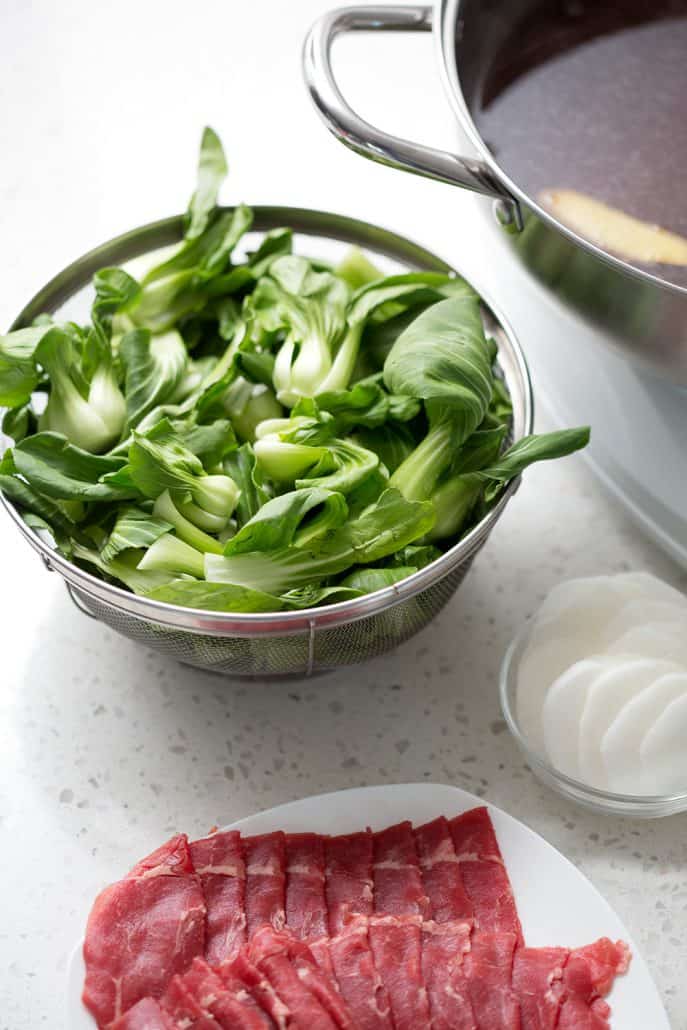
(446, 15)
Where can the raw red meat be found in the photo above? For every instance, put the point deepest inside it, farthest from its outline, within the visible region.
(484, 874)
(184, 1009)
(579, 1015)
(537, 981)
(144, 1015)
(306, 905)
(488, 969)
(242, 970)
(396, 947)
(232, 1009)
(441, 876)
(267, 944)
(588, 976)
(396, 873)
(218, 860)
(269, 952)
(591, 970)
(265, 858)
(142, 930)
(319, 950)
(444, 948)
(348, 884)
(357, 976)
(398, 930)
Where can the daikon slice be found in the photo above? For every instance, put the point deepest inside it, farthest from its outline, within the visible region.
(541, 664)
(563, 709)
(622, 741)
(666, 640)
(639, 613)
(596, 600)
(594, 594)
(643, 586)
(663, 753)
(608, 694)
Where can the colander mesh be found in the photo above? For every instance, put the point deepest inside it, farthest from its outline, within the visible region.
(297, 654)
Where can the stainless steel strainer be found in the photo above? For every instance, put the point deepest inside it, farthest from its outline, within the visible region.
(297, 642)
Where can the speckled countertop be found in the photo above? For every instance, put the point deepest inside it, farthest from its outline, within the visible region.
(107, 747)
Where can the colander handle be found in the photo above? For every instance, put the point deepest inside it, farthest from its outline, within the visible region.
(77, 603)
(366, 139)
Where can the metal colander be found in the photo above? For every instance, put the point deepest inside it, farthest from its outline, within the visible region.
(295, 642)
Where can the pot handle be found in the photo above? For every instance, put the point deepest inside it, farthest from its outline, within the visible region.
(366, 139)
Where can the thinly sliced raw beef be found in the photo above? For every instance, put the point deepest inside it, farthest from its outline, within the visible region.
(484, 874)
(184, 1009)
(242, 970)
(306, 905)
(361, 986)
(441, 876)
(265, 858)
(268, 944)
(591, 970)
(396, 874)
(588, 976)
(348, 884)
(144, 1015)
(142, 930)
(489, 969)
(444, 948)
(580, 1015)
(239, 990)
(397, 951)
(269, 952)
(218, 860)
(537, 981)
(232, 1009)
(403, 929)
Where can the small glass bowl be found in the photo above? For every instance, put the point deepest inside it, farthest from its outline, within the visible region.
(631, 805)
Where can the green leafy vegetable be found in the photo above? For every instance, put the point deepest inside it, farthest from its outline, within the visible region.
(134, 528)
(259, 433)
(212, 170)
(243, 469)
(85, 402)
(442, 358)
(169, 554)
(153, 368)
(53, 466)
(272, 561)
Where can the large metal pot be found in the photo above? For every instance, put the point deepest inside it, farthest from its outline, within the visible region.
(641, 314)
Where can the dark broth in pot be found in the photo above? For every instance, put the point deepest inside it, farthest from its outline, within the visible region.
(584, 108)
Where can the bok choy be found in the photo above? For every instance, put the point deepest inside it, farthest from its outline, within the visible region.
(241, 428)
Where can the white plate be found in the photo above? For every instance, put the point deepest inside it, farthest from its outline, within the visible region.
(556, 904)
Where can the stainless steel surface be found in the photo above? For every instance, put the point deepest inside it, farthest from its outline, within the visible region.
(296, 642)
(358, 134)
(637, 313)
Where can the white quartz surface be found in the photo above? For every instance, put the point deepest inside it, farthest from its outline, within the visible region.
(106, 747)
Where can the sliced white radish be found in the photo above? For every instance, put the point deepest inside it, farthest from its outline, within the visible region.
(663, 752)
(643, 586)
(541, 664)
(582, 612)
(667, 640)
(609, 693)
(621, 742)
(595, 600)
(562, 712)
(639, 613)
